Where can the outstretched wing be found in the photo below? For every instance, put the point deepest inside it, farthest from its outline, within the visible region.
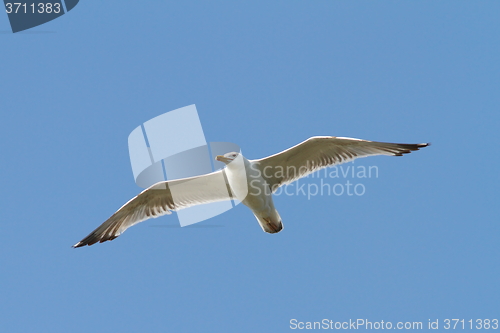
(321, 151)
(161, 199)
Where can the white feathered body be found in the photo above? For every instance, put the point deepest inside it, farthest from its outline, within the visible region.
(248, 183)
(249, 187)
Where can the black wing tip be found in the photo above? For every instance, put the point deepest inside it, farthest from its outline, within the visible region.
(409, 147)
(83, 243)
(92, 240)
(416, 146)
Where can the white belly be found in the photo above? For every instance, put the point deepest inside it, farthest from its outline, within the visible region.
(252, 190)
(249, 187)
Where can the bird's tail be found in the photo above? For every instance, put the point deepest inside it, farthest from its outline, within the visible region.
(270, 224)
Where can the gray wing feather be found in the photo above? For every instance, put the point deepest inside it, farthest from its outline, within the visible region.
(322, 151)
(161, 199)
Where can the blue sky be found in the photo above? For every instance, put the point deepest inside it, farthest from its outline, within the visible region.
(420, 244)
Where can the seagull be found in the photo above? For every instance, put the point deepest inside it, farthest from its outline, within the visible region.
(250, 181)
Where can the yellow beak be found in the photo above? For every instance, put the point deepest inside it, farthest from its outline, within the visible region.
(221, 158)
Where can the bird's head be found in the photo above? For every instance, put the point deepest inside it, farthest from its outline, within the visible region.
(227, 158)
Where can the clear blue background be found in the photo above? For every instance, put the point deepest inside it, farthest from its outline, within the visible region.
(422, 243)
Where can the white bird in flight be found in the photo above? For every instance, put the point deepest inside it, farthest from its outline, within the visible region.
(250, 181)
